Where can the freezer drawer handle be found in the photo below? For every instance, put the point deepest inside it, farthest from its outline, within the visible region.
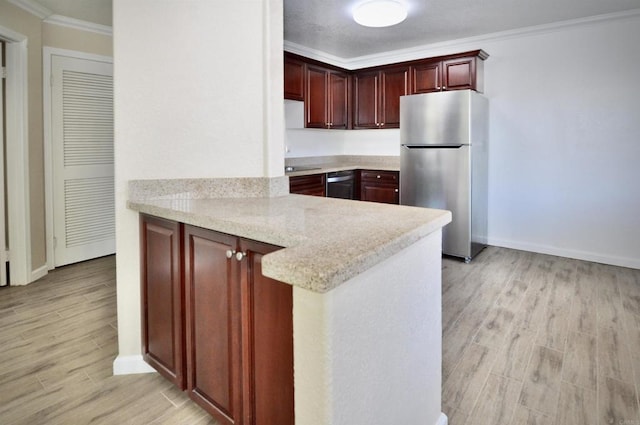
(456, 146)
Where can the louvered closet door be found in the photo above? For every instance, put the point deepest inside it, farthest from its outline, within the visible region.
(82, 150)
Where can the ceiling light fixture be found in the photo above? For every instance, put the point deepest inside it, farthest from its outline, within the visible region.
(380, 13)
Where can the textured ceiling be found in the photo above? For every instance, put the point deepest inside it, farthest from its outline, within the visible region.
(326, 25)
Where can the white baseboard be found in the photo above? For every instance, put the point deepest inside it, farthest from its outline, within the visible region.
(129, 365)
(442, 420)
(633, 263)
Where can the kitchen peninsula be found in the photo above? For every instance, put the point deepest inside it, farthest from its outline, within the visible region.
(365, 280)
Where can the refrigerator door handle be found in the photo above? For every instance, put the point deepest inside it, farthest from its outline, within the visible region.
(443, 146)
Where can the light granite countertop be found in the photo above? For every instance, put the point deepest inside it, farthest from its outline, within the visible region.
(329, 164)
(326, 241)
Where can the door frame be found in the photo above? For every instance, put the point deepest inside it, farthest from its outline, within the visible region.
(47, 58)
(17, 112)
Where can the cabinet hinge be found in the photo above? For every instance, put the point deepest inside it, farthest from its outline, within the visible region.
(3, 73)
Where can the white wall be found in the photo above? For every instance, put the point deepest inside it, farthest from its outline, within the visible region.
(194, 97)
(371, 353)
(565, 137)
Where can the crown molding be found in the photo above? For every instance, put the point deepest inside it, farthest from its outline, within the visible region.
(315, 54)
(79, 24)
(426, 50)
(32, 7)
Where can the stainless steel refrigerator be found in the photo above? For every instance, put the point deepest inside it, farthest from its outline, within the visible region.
(444, 163)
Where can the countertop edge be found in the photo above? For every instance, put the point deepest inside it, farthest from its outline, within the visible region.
(288, 264)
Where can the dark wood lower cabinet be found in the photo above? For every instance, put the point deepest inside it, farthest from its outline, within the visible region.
(229, 339)
(213, 324)
(269, 304)
(162, 297)
(379, 186)
(312, 184)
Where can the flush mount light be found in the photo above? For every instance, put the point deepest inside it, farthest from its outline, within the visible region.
(380, 13)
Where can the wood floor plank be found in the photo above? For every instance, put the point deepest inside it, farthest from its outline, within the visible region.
(613, 355)
(495, 328)
(554, 330)
(497, 401)
(617, 402)
(463, 386)
(525, 416)
(583, 317)
(499, 321)
(542, 381)
(459, 337)
(633, 338)
(455, 416)
(513, 358)
(629, 285)
(577, 406)
(579, 365)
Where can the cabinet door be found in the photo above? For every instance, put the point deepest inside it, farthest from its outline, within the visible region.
(162, 297)
(458, 74)
(316, 98)
(293, 79)
(338, 106)
(213, 324)
(426, 78)
(393, 84)
(365, 100)
(268, 336)
(314, 184)
(374, 192)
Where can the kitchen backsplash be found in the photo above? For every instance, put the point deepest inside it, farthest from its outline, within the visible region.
(303, 142)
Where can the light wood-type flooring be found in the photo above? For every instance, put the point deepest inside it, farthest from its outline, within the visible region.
(528, 339)
(531, 339)
(58, 340)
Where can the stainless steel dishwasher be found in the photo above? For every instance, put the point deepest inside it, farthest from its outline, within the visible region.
(341, 184)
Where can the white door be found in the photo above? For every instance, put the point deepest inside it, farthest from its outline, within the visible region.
(82, 155)
(3, 233)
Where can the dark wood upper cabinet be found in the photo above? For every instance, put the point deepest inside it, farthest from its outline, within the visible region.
(338, 107)
(294, 73)
(336, 98)
(376, 97)
(394, 83)
(365, 99)
(455, 72)
(326, 98)
(426, 77)
(459, 74)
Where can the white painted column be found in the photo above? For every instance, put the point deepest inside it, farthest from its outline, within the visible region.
(370, 351)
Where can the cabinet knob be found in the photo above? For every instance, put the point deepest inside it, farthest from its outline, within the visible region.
(396, 190)
(381, 124)
(230, 253)
(378, 176)
(240, 255)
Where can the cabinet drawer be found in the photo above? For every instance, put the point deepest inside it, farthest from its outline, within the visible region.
(388, 177)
